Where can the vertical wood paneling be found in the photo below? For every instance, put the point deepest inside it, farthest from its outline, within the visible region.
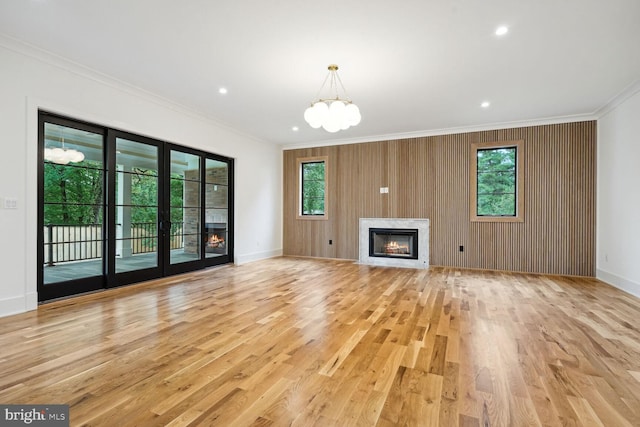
(429, 178)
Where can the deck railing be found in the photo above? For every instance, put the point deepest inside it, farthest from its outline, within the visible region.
(65, 243)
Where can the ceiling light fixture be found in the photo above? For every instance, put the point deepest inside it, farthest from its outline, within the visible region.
(62, 155)
(502, 30)
(485, 104)
(332, 113)
(222, 91)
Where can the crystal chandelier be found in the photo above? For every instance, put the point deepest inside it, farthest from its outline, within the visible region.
(332, 113)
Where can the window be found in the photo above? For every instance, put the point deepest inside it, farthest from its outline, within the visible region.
(496, 182)
(312, 194)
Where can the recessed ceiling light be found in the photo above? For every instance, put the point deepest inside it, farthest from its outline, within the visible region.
(485, 104)
(502, 30)
(222, 91)
(295, 128)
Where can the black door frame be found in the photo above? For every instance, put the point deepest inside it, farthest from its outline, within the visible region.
(228, 258)
(115, 279)
(75, 286)
(182, 267)
(203, 262)
(110, 278)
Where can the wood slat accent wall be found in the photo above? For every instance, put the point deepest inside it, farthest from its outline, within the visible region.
(429, 178)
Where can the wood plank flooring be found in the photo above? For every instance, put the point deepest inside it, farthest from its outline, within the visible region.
(309, 342)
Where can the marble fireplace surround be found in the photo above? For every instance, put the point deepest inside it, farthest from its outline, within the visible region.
(421, 224)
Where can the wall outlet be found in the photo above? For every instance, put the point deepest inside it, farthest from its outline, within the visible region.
(330, 242)
(461, 248)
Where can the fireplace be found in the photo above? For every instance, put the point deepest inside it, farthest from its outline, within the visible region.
(396, 242)
(216, 238)
(393, 243)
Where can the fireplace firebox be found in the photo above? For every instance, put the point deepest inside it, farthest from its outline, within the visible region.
(216, 238)
(393, 243)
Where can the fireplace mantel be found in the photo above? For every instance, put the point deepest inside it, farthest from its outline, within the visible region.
(421, 224)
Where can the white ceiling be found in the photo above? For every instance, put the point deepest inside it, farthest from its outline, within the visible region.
(412, 66)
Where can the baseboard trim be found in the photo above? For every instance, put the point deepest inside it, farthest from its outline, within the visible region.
(17, 305)
(626, 285)
(256, 256)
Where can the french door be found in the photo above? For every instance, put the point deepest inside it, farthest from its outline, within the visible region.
(117, 208)
(135, 237)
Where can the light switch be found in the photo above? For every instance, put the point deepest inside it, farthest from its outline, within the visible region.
(10, 203)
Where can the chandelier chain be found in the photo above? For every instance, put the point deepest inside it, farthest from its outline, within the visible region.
(346, 95)
(321, 87)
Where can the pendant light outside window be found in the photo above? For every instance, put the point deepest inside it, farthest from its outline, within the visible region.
(332, 113)
(62, 155)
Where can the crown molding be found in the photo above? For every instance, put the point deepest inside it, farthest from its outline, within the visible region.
(29, 50)
(620, 98)
(26, 49)
(444, 131)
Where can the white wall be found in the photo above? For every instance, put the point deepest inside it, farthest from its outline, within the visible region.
(618, 229)
(32, 79)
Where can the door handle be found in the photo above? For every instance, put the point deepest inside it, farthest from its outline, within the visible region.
(164, 226)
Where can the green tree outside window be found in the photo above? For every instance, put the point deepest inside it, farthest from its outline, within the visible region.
(496, 182)
(313, 188)
(73, 193)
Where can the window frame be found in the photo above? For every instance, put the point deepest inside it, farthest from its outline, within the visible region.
(519, 178)
(299, 164)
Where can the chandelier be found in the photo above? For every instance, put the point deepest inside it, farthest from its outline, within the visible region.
(62, 155)
(332, 113)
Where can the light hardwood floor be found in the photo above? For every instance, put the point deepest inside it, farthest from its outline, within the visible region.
(308, 342)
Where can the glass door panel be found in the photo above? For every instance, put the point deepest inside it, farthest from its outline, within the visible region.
(184, 208)
(116, 208)
(136, 206)
(216, 208)
(72, 197)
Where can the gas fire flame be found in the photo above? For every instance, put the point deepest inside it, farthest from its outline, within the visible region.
(215, 241)
(394, 248)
